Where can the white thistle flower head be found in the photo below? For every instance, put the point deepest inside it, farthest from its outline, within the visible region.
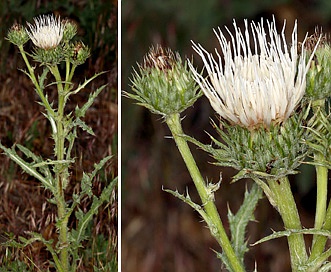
(254, 87)
(46, 32)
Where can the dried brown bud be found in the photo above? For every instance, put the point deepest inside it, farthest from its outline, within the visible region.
(318, 37)
(16, 27)
(159, 57)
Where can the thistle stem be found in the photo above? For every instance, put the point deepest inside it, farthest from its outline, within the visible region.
(173, 121)
(317, 256)
(321, 215)
(35, 82)
(61, 172)
(61, 169)
(322, 187)
(287, 208)
(69, 74)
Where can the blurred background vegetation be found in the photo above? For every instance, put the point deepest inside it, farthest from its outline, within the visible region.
(23, 204)
(159, 232)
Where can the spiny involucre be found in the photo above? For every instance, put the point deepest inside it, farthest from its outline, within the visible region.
(163, 83)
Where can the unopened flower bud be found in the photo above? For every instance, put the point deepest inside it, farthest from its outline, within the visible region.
(163, 84)
(70, 30)
(17, 35)
(319, 74)
(80, 53)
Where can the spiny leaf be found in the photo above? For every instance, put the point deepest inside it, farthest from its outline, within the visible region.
(71, 139)
(87, 217)
(240, 220)
(47, 243)
(187, 200)
(37, 160)
(83, 85)
(42, 77)
(27, 167)
(286, 233)
(80, 112)
(80, 123)
(86, 185)
(225, 261)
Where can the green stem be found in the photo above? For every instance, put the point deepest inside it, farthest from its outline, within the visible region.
(61, 172)
(322, 187)
(173, 121)
(317, 254)
(287, 208)
(56, 73)
(69, 75)
(320, 216)
(63, 229)
(320, 260)
(35, 82)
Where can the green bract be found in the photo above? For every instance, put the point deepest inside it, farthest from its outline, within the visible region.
(17, 35)
(51, 56)
(80, 52)
(262, 153)
(318, 77)
(163, 84)
(70, 30)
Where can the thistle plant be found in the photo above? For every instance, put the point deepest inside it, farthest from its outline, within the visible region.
(166, 86)
(272, 98)
(51, 65)
(256, 92)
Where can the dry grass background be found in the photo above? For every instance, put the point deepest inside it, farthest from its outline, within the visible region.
(159, 232)
(23, 203)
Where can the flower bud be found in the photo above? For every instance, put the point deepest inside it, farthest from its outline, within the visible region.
(18, 35)
(163, 84)
(319, 74)
(80, 52)
(70, 30)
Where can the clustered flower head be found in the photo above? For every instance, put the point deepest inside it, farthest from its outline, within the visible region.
(254, 87)
(46, 32)
(52, 37)
(164, 84)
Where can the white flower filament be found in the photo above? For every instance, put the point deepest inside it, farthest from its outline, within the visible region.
(257, 86)
(47, 31)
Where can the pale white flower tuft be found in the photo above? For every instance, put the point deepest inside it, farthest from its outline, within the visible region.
(46, 32)
(254, 86)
